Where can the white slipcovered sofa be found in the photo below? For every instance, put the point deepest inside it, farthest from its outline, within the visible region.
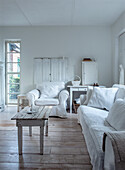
(94, 116)
(50, 94)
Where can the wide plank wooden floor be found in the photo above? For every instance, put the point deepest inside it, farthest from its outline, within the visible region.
(64, 148)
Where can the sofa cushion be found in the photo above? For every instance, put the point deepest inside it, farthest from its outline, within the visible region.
(61, 85)
(46, 101)
(116, 116)
(93, 116)
(120, 94)
(121, 91)
(49, 91)
(102, 97)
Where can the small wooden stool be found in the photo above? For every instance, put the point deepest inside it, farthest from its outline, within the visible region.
(19, 99)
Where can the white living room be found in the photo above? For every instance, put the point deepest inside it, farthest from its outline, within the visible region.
(62, 84)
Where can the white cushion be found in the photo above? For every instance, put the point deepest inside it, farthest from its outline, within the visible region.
(93, 116)
(116, 116)
(121, 91)
(120, 94)
(102, 97)
(88, 95)
(119, 86)
(61, 85)
(49, 91)
(46, 101)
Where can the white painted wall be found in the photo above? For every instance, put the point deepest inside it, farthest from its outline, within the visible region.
(1, 49)
(117, 28)
(75, 42)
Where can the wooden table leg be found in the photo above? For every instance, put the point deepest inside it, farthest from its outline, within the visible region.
(30, 130)
(20, 139)
(46, 127)
(41, 138)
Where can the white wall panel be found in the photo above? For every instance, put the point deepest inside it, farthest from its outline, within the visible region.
(45, 70)
(49, 70)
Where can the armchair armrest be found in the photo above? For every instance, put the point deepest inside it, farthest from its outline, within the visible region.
(63, 96)
(32, 96)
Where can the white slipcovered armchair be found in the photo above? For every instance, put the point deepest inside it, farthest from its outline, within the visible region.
(50, 94)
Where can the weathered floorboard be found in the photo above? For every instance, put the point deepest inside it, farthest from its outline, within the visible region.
(64, 148)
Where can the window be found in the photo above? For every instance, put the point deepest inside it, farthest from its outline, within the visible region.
(12, 71)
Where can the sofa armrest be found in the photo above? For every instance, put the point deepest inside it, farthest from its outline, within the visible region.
(113, 145)
(63, 96)
(109, 159)
(32, 96)
(82, 99)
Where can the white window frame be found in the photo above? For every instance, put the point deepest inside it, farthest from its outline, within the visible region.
(7, 73)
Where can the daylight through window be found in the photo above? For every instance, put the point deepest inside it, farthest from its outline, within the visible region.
(12, 71)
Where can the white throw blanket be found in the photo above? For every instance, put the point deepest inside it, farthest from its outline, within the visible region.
(118, 145)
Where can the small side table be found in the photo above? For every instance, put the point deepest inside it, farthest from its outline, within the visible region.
(19, 99)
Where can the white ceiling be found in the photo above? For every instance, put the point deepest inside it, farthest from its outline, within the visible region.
(60, 12)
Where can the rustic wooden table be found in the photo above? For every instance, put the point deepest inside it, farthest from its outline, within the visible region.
(38, 118)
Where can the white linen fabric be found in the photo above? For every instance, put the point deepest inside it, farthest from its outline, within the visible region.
(63, 96)
(120, 94)
(88, 95)
(121, 91)
(35, 93)
(116, 116)
(119, 86)
(32, 96)
(102, 97)
(49, 91)
(61, 85)
(109, 159)
(46, 101)
(82, 99)
(52, 94)
(58, 111)
(92, 122)
(117, 144)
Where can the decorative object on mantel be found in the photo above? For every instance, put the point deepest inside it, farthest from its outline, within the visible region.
(76, 81)
(87, 59)
(121, 74)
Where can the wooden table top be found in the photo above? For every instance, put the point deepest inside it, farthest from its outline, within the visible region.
(42, 112)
